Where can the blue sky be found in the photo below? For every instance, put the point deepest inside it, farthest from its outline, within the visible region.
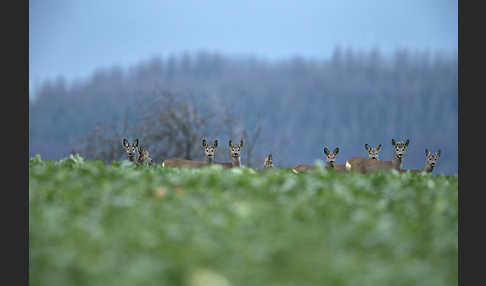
(73, 38)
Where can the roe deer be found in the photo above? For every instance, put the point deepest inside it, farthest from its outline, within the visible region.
(366, 165)
(131, 149)
(234, 151)
(268, 162)
(235, 155)
(330, 162)
(209, 151)
(144, 157)
(431, 160)
(373, 152)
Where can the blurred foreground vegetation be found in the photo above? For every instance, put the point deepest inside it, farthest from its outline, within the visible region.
(120, 224)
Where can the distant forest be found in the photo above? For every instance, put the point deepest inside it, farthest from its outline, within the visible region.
(291, 108)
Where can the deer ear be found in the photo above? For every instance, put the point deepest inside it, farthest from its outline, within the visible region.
(204, 143)
(326, 151)
(135, 143)
(125, 142)
(378, 147)
(427, 153)
(393, 142)
(406, 142)
(367, 147)
(231, 143)
(438, 153)
(241, 143)
(215, 144)
(336, 151)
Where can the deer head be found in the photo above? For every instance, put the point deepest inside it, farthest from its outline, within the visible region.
(131, 149)
(373, 152)
(330, 157)
(209, 150)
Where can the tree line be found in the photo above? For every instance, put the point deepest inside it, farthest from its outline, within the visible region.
(291, 108)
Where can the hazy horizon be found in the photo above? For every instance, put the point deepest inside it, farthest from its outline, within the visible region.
(73, 39)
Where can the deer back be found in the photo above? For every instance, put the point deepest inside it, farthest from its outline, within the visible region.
(225, 165)
(301, 168)
(339, 168)
(356, 164)
(183, 163)
(377, 165)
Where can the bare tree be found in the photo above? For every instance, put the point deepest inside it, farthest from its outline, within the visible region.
(250, 142)
(102, 142)
(167, 124)
(172, 125)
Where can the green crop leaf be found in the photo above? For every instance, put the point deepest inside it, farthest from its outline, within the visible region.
(123, 224)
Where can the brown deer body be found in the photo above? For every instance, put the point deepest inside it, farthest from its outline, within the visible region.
(301, 168)
(209, 151)
(366, 165)
(182, 163)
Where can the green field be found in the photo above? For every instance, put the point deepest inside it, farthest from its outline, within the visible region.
(119, 224)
